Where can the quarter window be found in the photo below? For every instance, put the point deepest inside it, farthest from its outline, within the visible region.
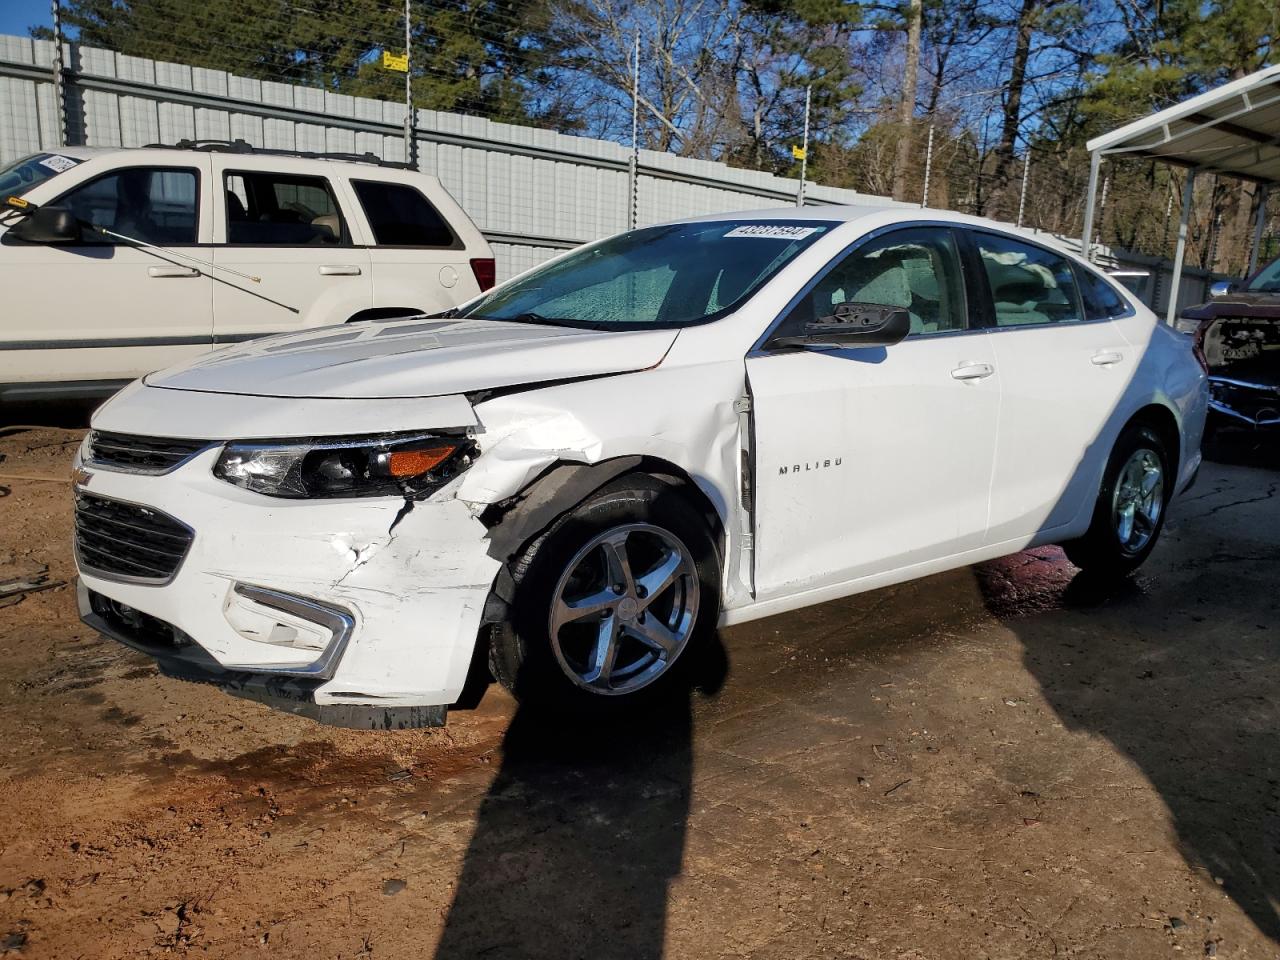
(401, 216)
(272, 209)
(1101, 302)
(917, 269)
(1029, 284)
(151, 204)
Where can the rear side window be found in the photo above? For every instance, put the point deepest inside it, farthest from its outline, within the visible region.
(401, 216)
(1029, 285)
(1101, 302)
(272, 209)
(153, 204)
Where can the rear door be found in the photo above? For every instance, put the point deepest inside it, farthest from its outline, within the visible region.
(107, 308)
(1063, 370)
(291, 231)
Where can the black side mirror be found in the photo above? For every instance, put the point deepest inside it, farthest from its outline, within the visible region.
(48, 225)
(854, 325)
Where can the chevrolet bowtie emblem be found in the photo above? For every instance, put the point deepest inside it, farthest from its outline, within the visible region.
(81, 477)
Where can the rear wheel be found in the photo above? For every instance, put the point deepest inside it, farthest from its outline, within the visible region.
(1130, 510)
(612, 603)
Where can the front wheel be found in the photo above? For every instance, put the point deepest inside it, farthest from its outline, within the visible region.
(1130, 510)
(612, 603)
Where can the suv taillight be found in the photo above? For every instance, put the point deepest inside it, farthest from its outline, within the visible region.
(486, 271)
(1197, 344)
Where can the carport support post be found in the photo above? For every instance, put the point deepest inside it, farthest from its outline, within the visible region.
(59, 73)
(1180, 252)
(1091, 195)
(1260, 221)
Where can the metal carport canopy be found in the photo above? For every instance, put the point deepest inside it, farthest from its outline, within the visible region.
(1233, 130)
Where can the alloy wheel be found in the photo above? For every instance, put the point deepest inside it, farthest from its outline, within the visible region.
(624, 609)
(1138, 500)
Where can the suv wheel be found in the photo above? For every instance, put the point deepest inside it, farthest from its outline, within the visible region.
(610, 602)
(1130, 511)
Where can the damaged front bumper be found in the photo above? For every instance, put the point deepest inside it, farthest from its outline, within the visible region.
(354, 612)
(1251, 403)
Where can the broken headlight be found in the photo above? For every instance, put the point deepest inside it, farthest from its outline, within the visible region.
(394, 465)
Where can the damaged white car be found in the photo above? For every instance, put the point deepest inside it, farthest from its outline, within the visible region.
(590, 468)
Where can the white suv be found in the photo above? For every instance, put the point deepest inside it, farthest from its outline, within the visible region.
(236, 243)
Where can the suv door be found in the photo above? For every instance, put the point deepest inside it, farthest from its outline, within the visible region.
(871, 460)
(104, 310)
(1064, 365)
(291, 231)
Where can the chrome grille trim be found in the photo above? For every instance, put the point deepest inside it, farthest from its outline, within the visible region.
(132, 453)
(128, 542)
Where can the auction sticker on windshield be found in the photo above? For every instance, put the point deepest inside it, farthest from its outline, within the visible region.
(770, 231)
(58, 164)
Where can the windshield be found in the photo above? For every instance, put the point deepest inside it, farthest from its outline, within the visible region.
(17, 178)
(669, 276)
(1267, 279)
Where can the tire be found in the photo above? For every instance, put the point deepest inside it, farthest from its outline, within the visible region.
(547, 657)
(1103, 551)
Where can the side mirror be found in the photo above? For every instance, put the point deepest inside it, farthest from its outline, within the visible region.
(854, 325)
(48, 225)
(1223, 288)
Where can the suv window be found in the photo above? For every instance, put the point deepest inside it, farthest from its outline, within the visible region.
(274, 209)
(401, 216)
(1029, 284)
(1101, 302)
(153, 204)
(917, 268)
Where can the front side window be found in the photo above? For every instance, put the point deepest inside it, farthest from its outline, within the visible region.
(1029, 284)
(152, 204)
(668, 276)
(21, 175)
(401, 216)
(279, 210)
(917, 269)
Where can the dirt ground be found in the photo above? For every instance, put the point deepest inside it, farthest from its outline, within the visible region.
(997, 762)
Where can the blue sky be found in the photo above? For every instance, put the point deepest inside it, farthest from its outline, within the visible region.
(17, 15)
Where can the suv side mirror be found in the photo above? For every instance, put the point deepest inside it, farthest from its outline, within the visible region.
(48, 225)
(854, 325)
(1222, 288)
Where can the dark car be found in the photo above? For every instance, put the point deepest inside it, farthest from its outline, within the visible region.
(1239, 341)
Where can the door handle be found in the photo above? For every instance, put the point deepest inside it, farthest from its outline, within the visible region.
(1106, 358)
(175, 272)
(340, 270)
(970, 370)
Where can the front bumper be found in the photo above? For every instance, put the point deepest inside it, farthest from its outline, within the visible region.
(357, 612)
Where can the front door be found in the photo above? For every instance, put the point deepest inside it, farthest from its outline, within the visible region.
(872, 460)
(107, 308)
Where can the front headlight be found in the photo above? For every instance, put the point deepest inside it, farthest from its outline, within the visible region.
(392, 465)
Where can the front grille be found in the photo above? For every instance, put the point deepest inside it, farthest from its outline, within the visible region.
(124, 451)
(119, 539)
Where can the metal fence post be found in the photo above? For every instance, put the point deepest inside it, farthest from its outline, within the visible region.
(633, 167)
(59, 74)
(928, 168)
(804, 148)
(410, 148)
(1022, 194)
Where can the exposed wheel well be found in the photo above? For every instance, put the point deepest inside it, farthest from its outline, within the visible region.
(1161, 419)
(385, 313)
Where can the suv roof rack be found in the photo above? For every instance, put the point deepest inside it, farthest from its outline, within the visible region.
(243, 146)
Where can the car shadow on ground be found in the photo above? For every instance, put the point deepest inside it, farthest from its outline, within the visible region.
(581, 833)
(1176, 669)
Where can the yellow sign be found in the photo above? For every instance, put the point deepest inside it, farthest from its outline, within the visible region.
(798, 152)
(395, 61)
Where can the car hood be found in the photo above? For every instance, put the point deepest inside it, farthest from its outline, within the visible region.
(418, 357)
(1245, 303)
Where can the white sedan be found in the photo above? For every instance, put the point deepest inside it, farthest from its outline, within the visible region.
(592, 466)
